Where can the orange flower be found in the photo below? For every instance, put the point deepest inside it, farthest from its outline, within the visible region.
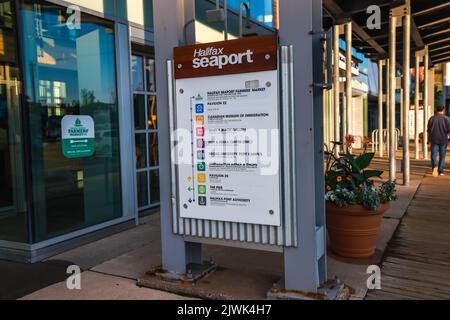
(349, 140)
(349, 178)
(339, 179)
(328, 188)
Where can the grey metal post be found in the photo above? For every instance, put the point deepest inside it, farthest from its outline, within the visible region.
(380, 109)
(336, 86)
(417, 104)
(392, 84)
(425, 105)
(303, 270)
(169, 20)
(406, 93)
(348, 78)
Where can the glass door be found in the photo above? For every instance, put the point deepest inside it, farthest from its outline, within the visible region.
(70, 74)
(145, 131)
(13, 223)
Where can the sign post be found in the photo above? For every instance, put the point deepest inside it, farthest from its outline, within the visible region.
(220, 187)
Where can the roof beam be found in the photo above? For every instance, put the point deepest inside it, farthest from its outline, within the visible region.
(439, 48)
(445, 59)
(432, 23)
(438, 41)
(360, 6)
(436, 33)
(429, 10)
(439, 54)
(333, 8)
(416, 35)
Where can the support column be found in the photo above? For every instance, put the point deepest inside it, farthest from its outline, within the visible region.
(392, 85)
(301, 27)
(416, 107)
(388, 95)
(380, 109)
(348, 78)
(401, 111)
(425, 106)
(169, 19)
(406, 95)
(336, 87)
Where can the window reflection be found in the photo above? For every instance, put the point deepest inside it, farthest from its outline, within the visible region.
(146, 131)
(150, 74)
(152, 113)
(13, 223)
(70, 72)
(137, 73)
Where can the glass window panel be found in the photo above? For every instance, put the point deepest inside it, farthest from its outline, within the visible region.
(142, 189)
(139, 112)
(13, 218)
(154, 187)
(136, 11)
(141, 150)
(153, 149)
(152, 113)
(150, 74)
(106, 7)
(70, 72)
(137, 73)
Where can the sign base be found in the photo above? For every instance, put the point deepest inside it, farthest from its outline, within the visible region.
(194, 272)
(331, 290)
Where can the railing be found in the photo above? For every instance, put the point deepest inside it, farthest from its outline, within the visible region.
(375, 138)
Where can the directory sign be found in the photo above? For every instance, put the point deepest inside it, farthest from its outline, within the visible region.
(227, 131)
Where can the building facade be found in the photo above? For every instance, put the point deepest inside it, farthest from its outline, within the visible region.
(90, 59)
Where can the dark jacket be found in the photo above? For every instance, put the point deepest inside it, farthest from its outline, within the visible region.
(438, 129)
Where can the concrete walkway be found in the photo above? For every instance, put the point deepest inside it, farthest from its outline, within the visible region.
(113, 265)
(417, 262)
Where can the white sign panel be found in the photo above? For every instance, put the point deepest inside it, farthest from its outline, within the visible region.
(412, 122)
(232, 170)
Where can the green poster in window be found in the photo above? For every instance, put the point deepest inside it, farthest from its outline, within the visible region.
(78, 136)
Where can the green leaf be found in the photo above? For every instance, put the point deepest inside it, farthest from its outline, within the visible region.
(372, 174)
(331, 178)
(355, 166)
(359, 178)
(364, 160)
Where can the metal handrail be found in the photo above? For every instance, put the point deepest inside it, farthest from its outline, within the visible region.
(385, 134)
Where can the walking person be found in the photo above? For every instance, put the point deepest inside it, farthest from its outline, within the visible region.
(438, 131)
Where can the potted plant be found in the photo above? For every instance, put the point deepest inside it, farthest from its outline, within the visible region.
(354, 205)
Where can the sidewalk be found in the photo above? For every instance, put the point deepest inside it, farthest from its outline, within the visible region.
(417, 263)
(112, 266)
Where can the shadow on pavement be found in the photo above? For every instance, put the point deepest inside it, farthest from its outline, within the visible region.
(20, 279)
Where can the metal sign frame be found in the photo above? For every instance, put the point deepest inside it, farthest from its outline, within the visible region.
(244, 234)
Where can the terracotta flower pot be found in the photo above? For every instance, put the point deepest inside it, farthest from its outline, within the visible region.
(354, 230)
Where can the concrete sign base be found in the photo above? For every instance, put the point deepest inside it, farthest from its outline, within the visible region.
(331, 290)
